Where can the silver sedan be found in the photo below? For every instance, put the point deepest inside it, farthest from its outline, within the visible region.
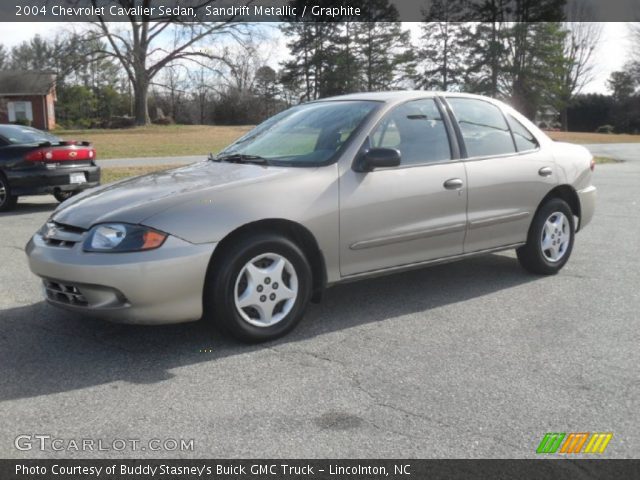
(325, 192)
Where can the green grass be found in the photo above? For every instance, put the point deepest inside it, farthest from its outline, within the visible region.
(586, 137)
(157, 141)
(600, 160)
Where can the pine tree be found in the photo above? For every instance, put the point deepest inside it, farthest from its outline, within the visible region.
(382, 52)
(441, 57)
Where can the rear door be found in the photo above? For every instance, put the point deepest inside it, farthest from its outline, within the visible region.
(508, 174)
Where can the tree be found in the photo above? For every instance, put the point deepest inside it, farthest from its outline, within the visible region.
(486, 47)
(625, 109)
(622, 85)
(4, 57)
(143, 54)
(634, 64)
(442, 51)
(536, 61)
(312, 47)
(582, 37)
(381, 52)
(266, 88)
(380, 48)
(347, 55)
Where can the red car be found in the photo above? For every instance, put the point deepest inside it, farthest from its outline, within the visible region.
(33, 162)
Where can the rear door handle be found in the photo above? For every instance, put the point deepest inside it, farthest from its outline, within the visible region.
(545, 171)
(453, 184)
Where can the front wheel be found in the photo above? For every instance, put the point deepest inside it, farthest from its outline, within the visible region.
(260, 288)
(550, 240)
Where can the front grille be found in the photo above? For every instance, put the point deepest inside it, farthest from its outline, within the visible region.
(64, 293)
(60, 235)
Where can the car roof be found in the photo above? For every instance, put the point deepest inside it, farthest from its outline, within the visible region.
(400, 95)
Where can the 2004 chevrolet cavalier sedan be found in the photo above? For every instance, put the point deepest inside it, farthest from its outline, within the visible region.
(325, 192)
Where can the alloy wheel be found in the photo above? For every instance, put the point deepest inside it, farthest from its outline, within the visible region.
(556, 235)
(266, 290)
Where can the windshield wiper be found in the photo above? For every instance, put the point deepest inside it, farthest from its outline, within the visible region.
(242, 158)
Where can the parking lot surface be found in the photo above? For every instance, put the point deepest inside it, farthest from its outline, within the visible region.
(472, 359)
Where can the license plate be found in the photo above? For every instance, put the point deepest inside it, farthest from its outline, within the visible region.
(77, 178)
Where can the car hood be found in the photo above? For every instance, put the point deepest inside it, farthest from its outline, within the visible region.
(135, 199)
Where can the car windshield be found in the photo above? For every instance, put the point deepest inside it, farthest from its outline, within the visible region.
(18, 135)
(305, 135)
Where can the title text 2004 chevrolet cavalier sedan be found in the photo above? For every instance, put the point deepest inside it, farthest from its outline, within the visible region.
(325, 192)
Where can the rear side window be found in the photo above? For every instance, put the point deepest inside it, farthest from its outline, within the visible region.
(19, 135)
(524, 138)
(417, 130)
(484, 130)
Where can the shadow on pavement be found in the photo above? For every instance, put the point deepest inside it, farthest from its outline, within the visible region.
(25, 207)
(44, 350)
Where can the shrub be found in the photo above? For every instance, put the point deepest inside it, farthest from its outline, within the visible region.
(163, 121)
(121, 122)
(23, 121)
(604, 129)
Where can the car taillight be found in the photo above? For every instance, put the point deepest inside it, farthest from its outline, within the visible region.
(61, 154)
(593, 164)
(39, 155)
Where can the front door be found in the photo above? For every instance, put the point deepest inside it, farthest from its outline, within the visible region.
(407, 214)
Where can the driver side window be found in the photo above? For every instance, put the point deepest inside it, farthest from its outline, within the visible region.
(417, 130)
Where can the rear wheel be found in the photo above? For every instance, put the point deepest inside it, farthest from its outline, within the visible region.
(550, 240)
(61, 195)
(260, 289)
(7, 200)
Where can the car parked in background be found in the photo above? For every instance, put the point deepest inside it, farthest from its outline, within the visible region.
(326, 192)
(33, 162)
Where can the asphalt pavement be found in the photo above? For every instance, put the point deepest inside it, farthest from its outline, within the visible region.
(472, 359)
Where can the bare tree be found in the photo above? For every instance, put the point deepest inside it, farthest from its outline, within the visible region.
(580, 44)
(4, 56)
(634, 65)
(143, 49)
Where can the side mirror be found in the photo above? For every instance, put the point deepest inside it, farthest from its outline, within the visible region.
(377, 158)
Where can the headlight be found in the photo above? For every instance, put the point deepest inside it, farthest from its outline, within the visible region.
(122, 237)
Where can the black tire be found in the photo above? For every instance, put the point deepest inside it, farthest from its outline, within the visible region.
(532, 257)
(62, 195)
(7, 200)
(220, 288)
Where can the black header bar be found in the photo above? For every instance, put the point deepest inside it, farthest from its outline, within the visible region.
(564, 468)
(318, 10)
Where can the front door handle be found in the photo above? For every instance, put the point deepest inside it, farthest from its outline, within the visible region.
(545, 171)
(453, 184)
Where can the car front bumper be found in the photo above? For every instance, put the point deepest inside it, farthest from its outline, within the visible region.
(42, 180)
(587, 198)
(158, 286)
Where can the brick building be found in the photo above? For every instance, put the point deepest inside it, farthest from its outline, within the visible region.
(29, 97)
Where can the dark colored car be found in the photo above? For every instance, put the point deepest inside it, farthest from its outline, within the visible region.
(33, 162)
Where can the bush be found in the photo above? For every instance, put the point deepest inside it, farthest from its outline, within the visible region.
(163, 121)
(120, 122)
(605, 129)
(23, 121)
